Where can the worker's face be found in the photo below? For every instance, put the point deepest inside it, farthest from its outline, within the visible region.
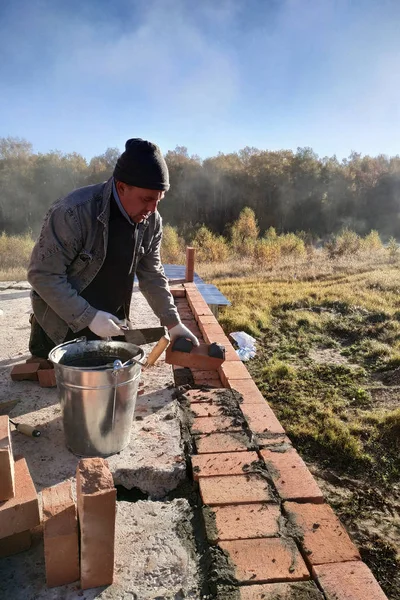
(138, 202)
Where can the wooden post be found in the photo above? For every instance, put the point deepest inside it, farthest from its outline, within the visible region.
(189, 264)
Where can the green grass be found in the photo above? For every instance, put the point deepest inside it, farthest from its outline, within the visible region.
(326, 407)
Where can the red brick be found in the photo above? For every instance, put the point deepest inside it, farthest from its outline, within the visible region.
(196, 359)
(323, 537)
(214, 425)
(211, 382)
(231, 370)
(210, 329)
(200, 308)
(230, 353)
(27, 371)
(209, 396)
(249, 391)
(220, 338)
(186, 315)
(43, 362)
(203, 320)
(47, 377)
(21, 512)
(291, 477)
(189, 274)
(348, 581)
(194, 296)
(204, 409)
(192, 326)
(14, 544)
(96, 496)
(61, 550)
(244, 521)
(206, 378)
(7, 482)
(178, 292)
(221, 442)
(261, 419)
(299, 590)
(183, 302)
(234, 489)
(275, 440)
(267, 559)
(228, 463)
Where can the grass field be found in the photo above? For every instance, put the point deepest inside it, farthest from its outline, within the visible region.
(328, 363)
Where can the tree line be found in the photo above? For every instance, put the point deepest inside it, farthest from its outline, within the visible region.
(289, 191)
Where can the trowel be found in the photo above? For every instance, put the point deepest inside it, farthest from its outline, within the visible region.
(144, 336)
(148, 336)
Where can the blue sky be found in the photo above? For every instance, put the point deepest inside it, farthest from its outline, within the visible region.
(210, 75)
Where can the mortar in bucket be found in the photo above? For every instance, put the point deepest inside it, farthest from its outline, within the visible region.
(97, 384)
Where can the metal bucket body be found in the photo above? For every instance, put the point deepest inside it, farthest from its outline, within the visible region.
(97, 403)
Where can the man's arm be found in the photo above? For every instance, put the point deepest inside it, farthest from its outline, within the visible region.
(58, 246)
(154, 284)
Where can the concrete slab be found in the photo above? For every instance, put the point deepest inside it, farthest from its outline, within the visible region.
(154, 559)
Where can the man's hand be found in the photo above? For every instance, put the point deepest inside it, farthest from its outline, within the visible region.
(105, 325)
(181, 330)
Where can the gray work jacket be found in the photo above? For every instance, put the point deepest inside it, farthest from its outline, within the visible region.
(70, 252)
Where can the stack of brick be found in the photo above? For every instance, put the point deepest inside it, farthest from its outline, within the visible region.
(96, 499)
(265, 508)
(35, 369)
(19, 507)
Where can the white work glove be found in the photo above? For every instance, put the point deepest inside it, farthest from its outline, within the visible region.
(181, 330)
(105, 325)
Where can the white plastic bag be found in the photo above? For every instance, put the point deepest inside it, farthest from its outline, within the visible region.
(246, 343)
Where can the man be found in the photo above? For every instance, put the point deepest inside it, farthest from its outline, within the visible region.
(92, 244)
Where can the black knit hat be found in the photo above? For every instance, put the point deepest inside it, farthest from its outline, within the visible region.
(142, 165)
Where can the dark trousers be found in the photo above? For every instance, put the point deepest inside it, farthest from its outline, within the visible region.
(40, 344)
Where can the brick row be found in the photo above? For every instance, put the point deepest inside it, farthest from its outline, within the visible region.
(240, 512)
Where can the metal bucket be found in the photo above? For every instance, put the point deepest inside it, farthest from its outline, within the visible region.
(97, 398)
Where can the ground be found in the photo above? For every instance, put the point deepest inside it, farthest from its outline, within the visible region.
(155, 549)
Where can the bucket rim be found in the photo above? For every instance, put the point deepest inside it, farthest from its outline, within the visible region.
(83, 340)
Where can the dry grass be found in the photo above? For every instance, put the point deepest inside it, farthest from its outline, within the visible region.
(316, 265)
(15, 251)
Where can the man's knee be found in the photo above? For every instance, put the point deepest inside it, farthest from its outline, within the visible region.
(39, 342)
